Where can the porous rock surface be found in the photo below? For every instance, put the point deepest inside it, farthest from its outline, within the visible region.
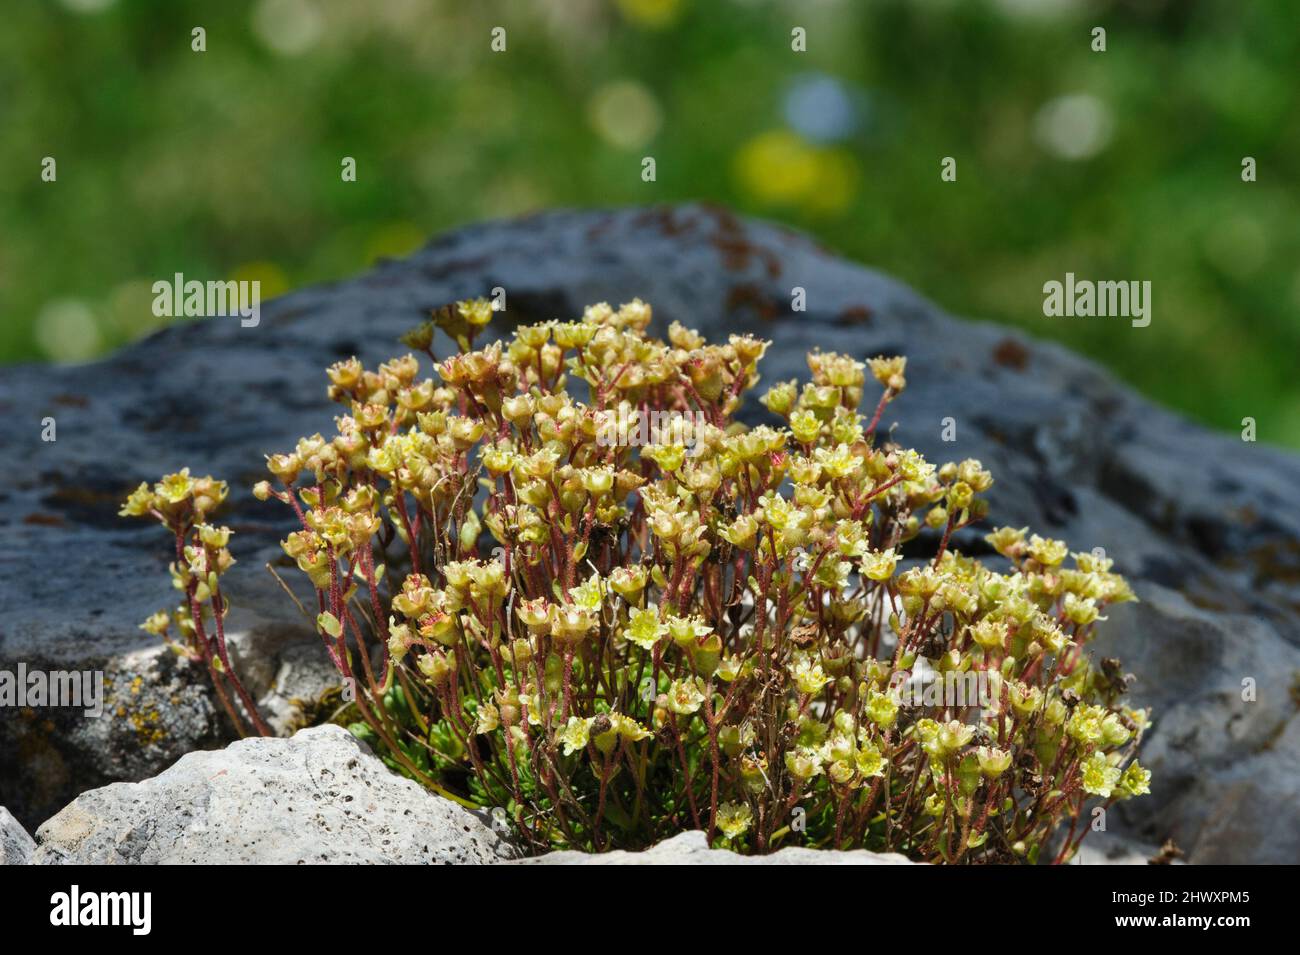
(1207, 527)
(319, 796)
(16, 845)
(692, 848)
(1104, 848)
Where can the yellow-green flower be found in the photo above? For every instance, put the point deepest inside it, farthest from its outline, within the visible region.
(993, 762)
(841, 772)
(780, 398)
(400, 639)
(1008, 541)
(1113, 731)
(156, 623)
(214, 537)
(1080, 611)
(531, 702)
(1025, 699)
(597, 481)
(175, 488)
(914, 468)
(804, 763)
(1135, 781)
(571, 624)
(741, 532)
(628, 728)
(1099, 777)
(989, 633)
(832, 574)
(644, 628)
(669, 457)
(734, 819)
(1047, 551)
(1139, 718)
(808, 674)
(139, 503)
(489, 718)
(869, 760)
(838, 462)
(628, 582)
(1086, 724)
(573, 334)
(576, 734)
(477, 312)
(686, 629)
(436, 667)
(686, 696)
(729, 668)
(889, 371)
(499, 461)
(882, 709)
(329, 624)
(588, 594)
(954, 734)
(879, 565)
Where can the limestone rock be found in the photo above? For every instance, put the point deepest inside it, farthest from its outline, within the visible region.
(692, 848)
(319, 796)
(1104, 848)
(16, 846)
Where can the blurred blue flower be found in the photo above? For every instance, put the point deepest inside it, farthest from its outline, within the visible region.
(821, 108)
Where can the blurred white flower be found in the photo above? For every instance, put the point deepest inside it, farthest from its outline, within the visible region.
(625, 114)
(87, 6)
(288, 27)
(1038, 9)
(1074, 127)
(66, 331)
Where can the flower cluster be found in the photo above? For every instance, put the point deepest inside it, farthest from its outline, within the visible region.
(181, 504)
(616, 643)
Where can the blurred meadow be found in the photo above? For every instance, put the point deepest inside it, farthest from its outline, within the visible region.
(1123, 165)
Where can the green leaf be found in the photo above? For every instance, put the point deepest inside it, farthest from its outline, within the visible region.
(329, 624)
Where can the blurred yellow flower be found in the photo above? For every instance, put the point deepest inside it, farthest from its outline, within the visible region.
(779, 167)
(393, 241)
(653, 14)
(274, 281)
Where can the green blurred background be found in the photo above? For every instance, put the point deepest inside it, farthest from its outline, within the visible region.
(1117, 165)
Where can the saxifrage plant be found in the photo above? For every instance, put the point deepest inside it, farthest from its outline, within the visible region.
(625, 616)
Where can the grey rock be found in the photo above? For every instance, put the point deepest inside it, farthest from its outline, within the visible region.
(16, 846)
(319, 796)
(1242, 810)
(1105, 848)
(692, 848)
(1224, 748)
(1206, 526)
